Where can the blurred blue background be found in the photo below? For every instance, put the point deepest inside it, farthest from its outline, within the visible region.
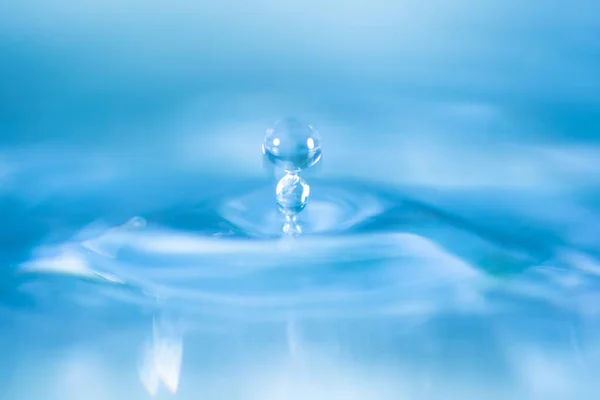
(189, 85)
(487, 110)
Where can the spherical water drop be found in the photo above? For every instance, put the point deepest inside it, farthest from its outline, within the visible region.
(292, 194)
(292, 145)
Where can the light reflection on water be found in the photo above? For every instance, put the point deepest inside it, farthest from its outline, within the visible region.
(410, 299)
(451, 238)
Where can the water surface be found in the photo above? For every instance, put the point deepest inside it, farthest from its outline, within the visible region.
(450, 245)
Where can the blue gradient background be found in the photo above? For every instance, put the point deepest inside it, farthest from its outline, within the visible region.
(110, 108)
(144, 79)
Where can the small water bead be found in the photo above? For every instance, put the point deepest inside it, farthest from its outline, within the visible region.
(135, 223)
(292, 145)
(292, 194)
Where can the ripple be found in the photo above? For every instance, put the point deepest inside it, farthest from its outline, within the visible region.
(334, 207)
(286, 274)
(366, 251)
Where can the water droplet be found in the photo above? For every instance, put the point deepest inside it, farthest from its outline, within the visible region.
(292, 194)
(292, 145)
(135, 223)
(291, 226)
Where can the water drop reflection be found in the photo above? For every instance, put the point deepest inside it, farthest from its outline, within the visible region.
(162, 355)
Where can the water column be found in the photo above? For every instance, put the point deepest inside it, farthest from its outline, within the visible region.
(293, 147)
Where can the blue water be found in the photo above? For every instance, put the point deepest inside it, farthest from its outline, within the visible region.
(450, 245)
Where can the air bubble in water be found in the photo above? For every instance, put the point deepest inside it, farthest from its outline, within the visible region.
(292, 145)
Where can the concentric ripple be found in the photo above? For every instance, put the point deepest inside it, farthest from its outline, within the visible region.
(364, 252)
(333, 209)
